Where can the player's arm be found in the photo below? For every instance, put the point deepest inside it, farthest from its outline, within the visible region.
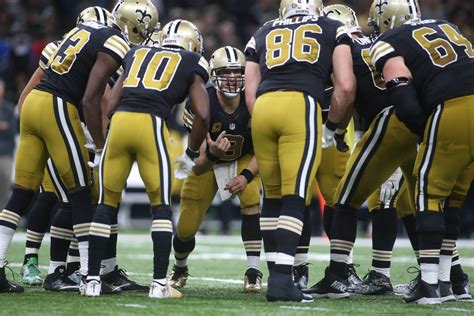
(252, 80)
(103, 68)
(344, 82)
(115, 96)
(104, 103)
(34, 80)
(239, 183)
(199, 100)
(403, 96)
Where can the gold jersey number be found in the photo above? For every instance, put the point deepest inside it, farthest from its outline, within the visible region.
(377, 78)
(62, 61)
(235, 149)
(165, 61)
(283, 44)
(441, 51)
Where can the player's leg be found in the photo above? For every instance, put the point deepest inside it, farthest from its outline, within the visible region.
(31, 159)
(38, 222)
(444, 153)
(299, 154)
(115, 166)
(265, 142)
(155, 168)
(196, 197)
(250, 229)
(65, 140)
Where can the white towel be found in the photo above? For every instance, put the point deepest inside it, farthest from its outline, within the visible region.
(225, 172)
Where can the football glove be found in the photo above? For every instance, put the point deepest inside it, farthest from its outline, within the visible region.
(390, 187)
(185, 166)
(328, 137)
(95, 164)
(339, 138)
(89, 141)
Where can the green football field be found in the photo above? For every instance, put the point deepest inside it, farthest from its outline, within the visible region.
(215, 288)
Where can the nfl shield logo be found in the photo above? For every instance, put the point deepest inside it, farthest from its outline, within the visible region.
(232, 126)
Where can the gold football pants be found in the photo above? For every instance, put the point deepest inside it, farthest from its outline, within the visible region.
(386, 145)
(445, 153)
(50, 127)
(286, 128)
(198, 193)
(139, 137)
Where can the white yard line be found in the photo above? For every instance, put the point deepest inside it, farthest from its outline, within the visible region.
(453, 309)
(306, 308)
(132, 305)
(236, 240)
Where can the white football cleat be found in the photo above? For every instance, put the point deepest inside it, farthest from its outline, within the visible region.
(163, 291)
(92, 288)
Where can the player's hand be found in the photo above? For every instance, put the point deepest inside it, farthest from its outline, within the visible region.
(390, 187)
(95, 164)
(236, 185)
(185, 166)
(328, 137)
(341, 144)
(89, 141)
(218, 147)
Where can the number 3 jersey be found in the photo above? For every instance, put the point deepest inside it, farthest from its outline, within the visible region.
(236, 125)
(68, 68)
(439, 57)
(295, 54)
(158, 78)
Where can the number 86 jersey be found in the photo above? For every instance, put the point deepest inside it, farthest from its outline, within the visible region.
(439, 57)
(158, 78)
(295, 54)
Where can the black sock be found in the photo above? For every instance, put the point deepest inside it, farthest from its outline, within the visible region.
(73, 259)
(111, 249)
(61, 233)
(410, 227)
(161, 234)
(430, 229)
(99, 237)
(271, 209)
(384, 233)
(343, 234)
(288, 233)
(182, 249)
(451, 234)
(38, 222)
(328, 217)
(252, 239)
(301, 256)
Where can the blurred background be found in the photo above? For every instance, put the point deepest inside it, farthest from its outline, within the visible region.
(26, 26)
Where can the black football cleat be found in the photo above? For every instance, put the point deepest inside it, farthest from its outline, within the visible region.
(445, 291)
(374, 283)
(331, 286)
(424, 294)
(7, 286)
(58, 281)
(462, 288)
(281, 288)
(118, 278)
(252, 281)
(353, 280)
(301, 276)
(178, 277)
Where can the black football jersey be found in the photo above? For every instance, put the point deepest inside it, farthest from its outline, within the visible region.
(68, 69)
(236, 125)
(439, 57)
(295, 54)
(158, 78)
(371, 97)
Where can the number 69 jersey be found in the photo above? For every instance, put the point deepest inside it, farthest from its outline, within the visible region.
(166, 75)
(295, 54)
(439, 57)
(68, 68)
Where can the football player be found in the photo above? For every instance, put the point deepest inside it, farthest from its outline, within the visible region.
(154, 80)
(422, 62)
(50, 125)
(288, 63)
(232, 168)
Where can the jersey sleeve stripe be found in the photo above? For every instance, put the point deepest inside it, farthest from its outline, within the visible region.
(379, 50)
(203, 63)
(117, 45)
(341, 31)
(251, 44)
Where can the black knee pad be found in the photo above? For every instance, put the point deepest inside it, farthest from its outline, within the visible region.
(429, 222)
(181, 246)
(161, 212)
(20, 200)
